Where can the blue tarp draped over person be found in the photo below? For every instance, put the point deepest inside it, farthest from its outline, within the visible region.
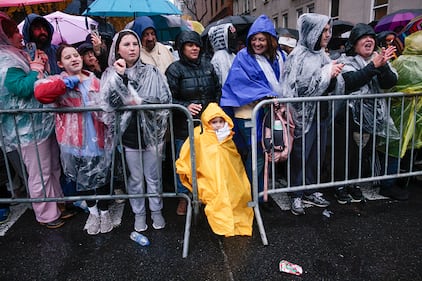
(255, 75)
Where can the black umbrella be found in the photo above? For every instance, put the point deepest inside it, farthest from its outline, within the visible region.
(242, 24)
(288, 31)
(341, 26)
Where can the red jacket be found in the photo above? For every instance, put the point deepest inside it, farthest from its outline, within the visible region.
(70, 126)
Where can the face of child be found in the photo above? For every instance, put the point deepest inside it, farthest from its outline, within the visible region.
(70, 61)
(217, 123)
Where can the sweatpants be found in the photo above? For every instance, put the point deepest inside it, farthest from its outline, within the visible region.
(49, 172)
(144, 166)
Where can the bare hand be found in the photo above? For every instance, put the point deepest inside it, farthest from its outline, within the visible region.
(336, 69)
(380, 59)
(120, 66)
(194, 108)
(96, 43)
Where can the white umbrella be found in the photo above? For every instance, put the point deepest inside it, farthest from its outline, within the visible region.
(68, 28)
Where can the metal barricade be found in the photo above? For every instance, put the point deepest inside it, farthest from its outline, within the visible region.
(193, 203)
(405, 108)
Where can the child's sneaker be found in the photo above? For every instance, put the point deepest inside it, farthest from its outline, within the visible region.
(106, 224)
(92, 224)
(316, 199)
(140, 223)
(158, 221)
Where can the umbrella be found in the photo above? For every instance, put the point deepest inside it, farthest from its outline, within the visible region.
(11, 3)
(68, 28)
(340, 27)
(281, 31)
(413, 26)
(240, 22)
(167, 26)
(196, 26)
(131, 8)
(397, 20)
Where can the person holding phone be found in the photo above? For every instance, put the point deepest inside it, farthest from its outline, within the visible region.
(128, 81)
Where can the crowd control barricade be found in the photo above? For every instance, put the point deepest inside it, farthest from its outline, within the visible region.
(8, 169)
(393, 153)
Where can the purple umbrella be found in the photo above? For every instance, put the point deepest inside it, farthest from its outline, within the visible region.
(397, 20)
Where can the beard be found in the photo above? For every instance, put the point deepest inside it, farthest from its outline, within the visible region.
(41, 41)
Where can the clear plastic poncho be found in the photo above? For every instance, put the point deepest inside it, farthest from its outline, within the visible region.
(384, 125)
(145, 85)
(222, 59)
(307, 72)
(29, 127)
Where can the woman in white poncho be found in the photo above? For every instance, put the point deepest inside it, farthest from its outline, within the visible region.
(309, 72)
(128, 81)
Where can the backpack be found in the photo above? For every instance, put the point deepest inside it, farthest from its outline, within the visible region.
(277, 137)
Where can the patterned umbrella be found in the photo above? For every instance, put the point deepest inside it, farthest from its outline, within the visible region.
(396, 21)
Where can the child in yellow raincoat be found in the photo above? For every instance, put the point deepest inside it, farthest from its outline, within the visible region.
(223, 185)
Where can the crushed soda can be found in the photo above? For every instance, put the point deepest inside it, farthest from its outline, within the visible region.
(291, 268)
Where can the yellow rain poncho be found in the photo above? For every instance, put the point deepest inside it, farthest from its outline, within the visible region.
(223, 185)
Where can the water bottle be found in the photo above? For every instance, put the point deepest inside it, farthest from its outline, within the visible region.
(278, 135)
(139, 238)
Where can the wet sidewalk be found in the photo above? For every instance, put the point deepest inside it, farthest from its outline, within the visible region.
(376, 240)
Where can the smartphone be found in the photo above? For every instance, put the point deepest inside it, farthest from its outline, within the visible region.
(31, 48)
(94, 30)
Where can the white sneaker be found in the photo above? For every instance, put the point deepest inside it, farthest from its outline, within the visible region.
(158, 221)
(106, 224)
(92, 225)
(140, 223)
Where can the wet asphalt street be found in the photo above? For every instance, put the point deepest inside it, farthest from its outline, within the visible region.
(376, 240)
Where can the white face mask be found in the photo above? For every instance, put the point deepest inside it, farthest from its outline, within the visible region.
(223, 133)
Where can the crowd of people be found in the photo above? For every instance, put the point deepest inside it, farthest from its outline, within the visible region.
(71, 153)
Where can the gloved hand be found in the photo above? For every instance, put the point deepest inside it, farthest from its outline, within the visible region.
(71, 81)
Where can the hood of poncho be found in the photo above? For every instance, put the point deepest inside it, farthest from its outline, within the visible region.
(261, 24)
(310, 28)
(112, 54)
(218, 36)
(213, 111)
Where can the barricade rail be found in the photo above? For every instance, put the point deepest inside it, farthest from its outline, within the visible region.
(193, 203)
(407, 118)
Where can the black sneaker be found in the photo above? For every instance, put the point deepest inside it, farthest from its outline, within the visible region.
(342, 196)
(394, 192)
(355, 194)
